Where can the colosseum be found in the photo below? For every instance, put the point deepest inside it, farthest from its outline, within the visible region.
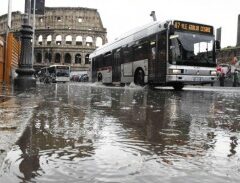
(63, 35)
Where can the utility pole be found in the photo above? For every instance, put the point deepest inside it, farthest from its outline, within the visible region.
(238, 31)
(9, 25)
(33, 24)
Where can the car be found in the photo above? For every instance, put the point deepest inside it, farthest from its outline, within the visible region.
(83, 78)
(74, 78)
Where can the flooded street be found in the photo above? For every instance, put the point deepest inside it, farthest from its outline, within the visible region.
(98, 134)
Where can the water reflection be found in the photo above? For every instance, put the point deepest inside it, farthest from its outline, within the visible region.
(6, 92)
(233, 146)
(105, 134)
(30, 158)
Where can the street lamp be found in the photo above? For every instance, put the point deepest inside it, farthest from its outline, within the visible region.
(25, 78)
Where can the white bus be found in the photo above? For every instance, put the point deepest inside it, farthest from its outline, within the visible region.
(56, 73)
(173, 53)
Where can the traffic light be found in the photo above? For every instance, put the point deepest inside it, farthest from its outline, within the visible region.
(39, 7)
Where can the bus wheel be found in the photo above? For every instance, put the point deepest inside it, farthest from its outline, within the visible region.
(178, 87)
(139, 77)
(99, 77)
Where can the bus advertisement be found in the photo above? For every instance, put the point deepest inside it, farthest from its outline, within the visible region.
(172, 53)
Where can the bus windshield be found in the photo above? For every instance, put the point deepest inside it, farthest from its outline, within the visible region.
(192, 49)
(62, 71)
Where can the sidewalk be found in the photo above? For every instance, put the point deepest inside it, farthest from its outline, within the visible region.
(228, 82)
(15, 112)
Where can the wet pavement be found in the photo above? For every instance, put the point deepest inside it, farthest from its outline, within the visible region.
(92, 133)
(15, 112)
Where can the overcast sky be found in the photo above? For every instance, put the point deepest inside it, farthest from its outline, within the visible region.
(119, 16)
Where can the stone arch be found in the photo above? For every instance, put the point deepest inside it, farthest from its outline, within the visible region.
(99, 41)
(58, 40)
(79, 40)
(40, 40)
(67, 58)
(78, 58)
(57, 58)
(48, 57)
(59, 19)
(39, 58)
(68, 40)
(49, 39)
(80, 19)
(89, 41)
(87, 59)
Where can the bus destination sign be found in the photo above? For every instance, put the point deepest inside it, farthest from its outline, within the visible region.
(187, 26)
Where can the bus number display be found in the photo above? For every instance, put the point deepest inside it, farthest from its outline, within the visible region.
(193, 27)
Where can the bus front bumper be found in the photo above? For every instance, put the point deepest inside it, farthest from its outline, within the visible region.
(191, 79)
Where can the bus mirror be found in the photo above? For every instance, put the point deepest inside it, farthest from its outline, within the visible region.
(218, 45)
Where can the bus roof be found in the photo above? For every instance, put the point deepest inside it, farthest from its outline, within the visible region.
(134, 35)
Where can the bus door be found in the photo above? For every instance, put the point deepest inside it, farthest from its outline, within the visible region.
(152, 58)
(116, 69)
(161, 58)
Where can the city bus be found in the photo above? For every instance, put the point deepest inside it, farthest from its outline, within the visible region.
(55, 73)
(173, 53)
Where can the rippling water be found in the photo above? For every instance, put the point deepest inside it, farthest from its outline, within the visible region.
(93, 133)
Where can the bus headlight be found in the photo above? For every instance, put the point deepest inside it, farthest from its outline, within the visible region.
(175, 71)
(213, 73)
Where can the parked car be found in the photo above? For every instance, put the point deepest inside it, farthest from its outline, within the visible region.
(74, 78)
(83, 78)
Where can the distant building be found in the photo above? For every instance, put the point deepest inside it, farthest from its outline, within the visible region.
(229, 54)
(63, 35)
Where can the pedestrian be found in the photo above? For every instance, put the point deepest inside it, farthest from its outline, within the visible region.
(221, 75)
(222, 78)
(234, 60)
(236, 71)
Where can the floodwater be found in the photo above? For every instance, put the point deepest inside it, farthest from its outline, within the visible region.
(98, 134)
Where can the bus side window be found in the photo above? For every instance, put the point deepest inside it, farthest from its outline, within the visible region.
(153, 50)
(145, 48)
(99, 62)
(140, 50)
(153, 53)
(127, 56)
(162, 46)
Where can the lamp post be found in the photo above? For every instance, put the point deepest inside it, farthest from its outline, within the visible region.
(25, 78)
